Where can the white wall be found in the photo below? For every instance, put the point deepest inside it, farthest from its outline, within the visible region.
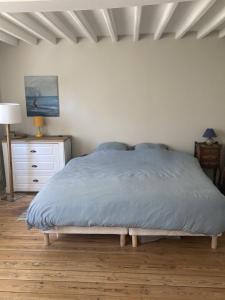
(166, 91)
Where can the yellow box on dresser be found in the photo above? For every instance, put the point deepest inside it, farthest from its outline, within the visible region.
(36, 160)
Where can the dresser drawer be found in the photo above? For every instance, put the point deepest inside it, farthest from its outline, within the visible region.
(31, 179)
(33, 159)
(210, 157)
(206, 151)
(32, 149)
(209, 164)
(34, 166)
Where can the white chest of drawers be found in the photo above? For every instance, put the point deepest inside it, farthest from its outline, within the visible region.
(35, 161)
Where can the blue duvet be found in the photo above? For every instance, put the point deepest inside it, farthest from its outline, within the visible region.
(150, 188)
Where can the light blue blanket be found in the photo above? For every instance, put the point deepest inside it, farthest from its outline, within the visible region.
(155, 189)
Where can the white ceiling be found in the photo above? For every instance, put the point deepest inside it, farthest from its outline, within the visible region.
(52, 20)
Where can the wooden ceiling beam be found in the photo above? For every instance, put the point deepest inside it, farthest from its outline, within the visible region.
(167, 12)
(212, 25)
(8, 39)
(26, 22)
(56, 24)
(110, 23)
(137, 22)
(79, 19)
(17, 32)
(196, 12)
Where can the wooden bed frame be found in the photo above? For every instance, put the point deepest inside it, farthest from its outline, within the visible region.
(122, 232)
(135, 232)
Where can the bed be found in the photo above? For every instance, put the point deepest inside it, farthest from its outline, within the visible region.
(146, 191)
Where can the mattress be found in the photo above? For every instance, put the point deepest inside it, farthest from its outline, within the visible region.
(149, 188)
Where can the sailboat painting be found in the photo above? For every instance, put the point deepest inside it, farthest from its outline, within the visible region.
(42, 96)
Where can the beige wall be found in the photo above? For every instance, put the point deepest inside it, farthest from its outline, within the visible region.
(166, 91)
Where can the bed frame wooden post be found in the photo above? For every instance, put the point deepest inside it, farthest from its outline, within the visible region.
(134, 241)
(46, 239)
(59, 230)
(135, 232)
(214, 242)
(122, 240)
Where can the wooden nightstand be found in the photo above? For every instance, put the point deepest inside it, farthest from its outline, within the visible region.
(209, 158)
(36, 160)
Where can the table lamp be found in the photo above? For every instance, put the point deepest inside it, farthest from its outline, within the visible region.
(209, 134)
(10, 113)
(38, 122)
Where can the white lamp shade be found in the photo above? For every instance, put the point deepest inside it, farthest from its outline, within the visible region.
(10, 113)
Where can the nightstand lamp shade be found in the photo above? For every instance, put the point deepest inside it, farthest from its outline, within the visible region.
(10, 113)
(209, 134)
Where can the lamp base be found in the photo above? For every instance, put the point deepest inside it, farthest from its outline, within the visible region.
(39, 134)
(210, 141)
(11, 198)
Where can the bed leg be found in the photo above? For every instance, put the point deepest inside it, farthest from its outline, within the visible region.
(134, 241)
(46, 239)
(214, 242)
(122, 240)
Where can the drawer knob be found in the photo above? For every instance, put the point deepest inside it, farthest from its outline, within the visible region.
(33, 151)
(35, 180)
(34, 166)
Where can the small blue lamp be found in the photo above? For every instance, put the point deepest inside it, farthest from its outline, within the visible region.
(209, 134)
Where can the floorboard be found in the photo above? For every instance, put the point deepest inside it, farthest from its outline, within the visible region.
(95, 267)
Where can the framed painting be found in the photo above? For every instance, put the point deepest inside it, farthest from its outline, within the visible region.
(42, 97)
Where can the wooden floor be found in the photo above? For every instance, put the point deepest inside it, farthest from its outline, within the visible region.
(95, 267)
